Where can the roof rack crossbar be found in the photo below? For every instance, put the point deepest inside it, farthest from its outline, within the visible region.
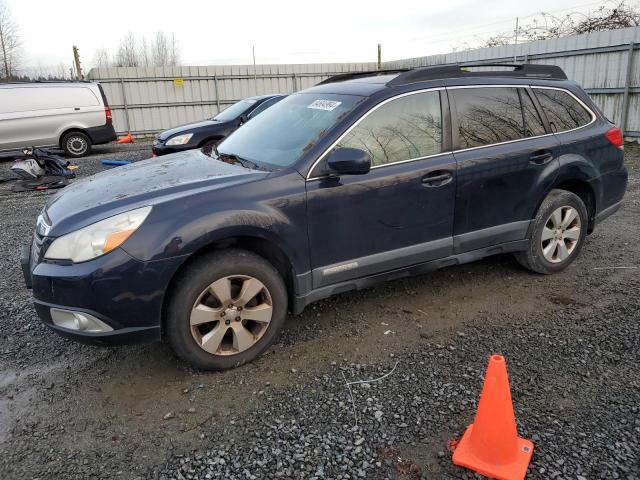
(369, 73)
(460, 70)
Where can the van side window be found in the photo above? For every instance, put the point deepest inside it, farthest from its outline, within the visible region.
(533, 125)
(406, 128)
(487, 115)
(562, 110)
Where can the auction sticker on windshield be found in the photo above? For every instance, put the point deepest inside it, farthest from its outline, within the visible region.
(324, 104)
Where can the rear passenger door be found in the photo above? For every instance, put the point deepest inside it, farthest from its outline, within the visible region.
(507, 160)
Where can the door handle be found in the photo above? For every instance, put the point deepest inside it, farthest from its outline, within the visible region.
(77, 108)
(437, 178)
(540, 158)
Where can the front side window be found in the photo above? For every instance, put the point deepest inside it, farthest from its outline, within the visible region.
(563, 111)
(488, 115)
(234, 111)
(406, 128)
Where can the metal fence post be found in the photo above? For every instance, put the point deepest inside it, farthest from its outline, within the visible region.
(295, 83)
(627, 87)
(124, 103)
(215, 83)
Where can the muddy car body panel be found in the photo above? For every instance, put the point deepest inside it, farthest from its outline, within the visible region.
(326, 232)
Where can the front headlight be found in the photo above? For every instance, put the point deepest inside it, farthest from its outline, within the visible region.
(180, 139)
(97, 239)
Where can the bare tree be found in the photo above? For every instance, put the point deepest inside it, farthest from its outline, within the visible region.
(607, 17)
(162, 51)
(165, 50)
(145, 53)
(9, 43)
(101, 58)
(127, 55)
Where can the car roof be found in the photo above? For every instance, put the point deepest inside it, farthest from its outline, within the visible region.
(37, 84)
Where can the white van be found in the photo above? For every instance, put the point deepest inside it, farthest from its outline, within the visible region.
(70, 115)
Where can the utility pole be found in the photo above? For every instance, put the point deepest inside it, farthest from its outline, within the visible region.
(379, 57)
(515, 56)
(76, 60)
(255, 78)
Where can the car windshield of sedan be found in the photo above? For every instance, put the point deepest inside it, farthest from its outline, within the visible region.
(279, 136)
(234, 111)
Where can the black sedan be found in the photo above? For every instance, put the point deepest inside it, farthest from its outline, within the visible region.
(213, 130)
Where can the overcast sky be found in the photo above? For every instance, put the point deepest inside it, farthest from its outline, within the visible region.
(223, 32)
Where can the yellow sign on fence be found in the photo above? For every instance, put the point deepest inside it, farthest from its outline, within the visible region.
(178, 82)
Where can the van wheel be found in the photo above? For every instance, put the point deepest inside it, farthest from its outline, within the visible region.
(76, 144)
(559, 231)
(225, 309)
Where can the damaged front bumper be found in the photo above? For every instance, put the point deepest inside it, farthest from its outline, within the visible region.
(113, 299)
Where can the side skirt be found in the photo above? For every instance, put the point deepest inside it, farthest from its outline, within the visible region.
(300, 302)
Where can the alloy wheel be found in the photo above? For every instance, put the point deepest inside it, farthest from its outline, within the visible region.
(561, 234)
(231, 315)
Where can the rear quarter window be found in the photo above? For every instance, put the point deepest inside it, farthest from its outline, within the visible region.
(563, 111)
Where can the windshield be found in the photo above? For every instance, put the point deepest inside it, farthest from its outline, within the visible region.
(281, 134)
(234, 111)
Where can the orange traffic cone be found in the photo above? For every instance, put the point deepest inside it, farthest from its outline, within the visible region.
(490, 445)
(128, 138)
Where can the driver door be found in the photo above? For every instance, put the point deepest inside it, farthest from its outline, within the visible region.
(398, 214)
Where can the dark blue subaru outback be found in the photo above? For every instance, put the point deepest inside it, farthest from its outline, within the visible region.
(360, 179)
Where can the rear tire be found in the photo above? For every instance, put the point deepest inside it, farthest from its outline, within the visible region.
(76, 144)
(225, 309)
(559, 231)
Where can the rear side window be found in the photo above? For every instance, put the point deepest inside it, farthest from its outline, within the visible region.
(406, 128)
(488, 115)
(563, 111)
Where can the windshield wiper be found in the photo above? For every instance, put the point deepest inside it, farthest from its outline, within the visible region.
(242, 161)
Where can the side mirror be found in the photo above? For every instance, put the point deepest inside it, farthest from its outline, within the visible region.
(243, 119)
(349, 161)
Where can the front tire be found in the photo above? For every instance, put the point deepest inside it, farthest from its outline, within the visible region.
(76, 144)
(226, 309)
(559, 231)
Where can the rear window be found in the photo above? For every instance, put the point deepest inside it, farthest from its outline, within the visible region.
(27, 99)
(488, 115)
(563, 111)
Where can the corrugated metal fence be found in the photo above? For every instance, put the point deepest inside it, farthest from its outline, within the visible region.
(606, 64)
(147, 100)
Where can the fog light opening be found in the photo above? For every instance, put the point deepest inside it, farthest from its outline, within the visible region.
(78, 321)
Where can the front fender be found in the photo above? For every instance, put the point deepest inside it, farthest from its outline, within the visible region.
(272, 209)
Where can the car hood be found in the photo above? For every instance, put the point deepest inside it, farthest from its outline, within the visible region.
(190, 127)
(148, 182)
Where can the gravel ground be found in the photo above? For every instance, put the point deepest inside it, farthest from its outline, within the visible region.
(571, 342)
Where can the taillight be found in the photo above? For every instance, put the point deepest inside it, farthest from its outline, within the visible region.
(615, 137)
(107, 113)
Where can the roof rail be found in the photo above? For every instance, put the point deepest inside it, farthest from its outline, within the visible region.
(527, 70)
(371, 73)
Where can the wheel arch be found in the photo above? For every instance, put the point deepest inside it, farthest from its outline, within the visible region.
(580, 186)
(72, 130)
(267, 249)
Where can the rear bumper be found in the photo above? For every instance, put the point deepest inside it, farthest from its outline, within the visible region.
(124, 293)
(103, 134)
